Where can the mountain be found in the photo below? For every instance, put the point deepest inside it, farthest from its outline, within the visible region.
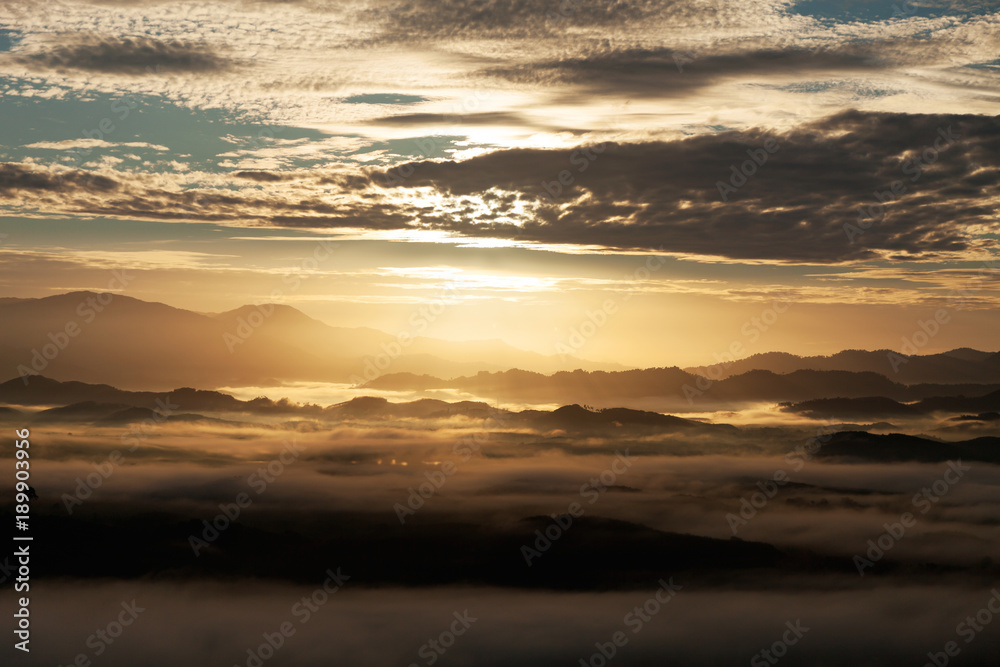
(133, 343)
(869, 407)
(574, 418)
(596, 554)
(447, 357)
(110, 414)
(860, 446)
(43, 391)
(879, 406)
(115, 339)
(982, 417)
(372, 407)
(10, 414)
(102, 404)
(85, 411)
(986, 403)
(562, 387)
(962, 365)
(676, 387)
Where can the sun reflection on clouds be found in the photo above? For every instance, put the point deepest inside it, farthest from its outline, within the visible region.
(459, 282)
(494, 206)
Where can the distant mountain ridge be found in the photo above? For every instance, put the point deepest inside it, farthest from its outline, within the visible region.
(879, 406)
(80, 402)
(116, 339)
(961, 365)
(895, 447)
(44, 391)
(680, 387)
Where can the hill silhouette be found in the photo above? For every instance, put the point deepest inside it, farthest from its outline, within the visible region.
(681, 387)
(880, 406)
(895, 447)
(594, 554)
(961, 365)
(119, 406)
(137, 344)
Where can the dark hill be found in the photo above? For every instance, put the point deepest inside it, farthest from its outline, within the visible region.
(894, 447)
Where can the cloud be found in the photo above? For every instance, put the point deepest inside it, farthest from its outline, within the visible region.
(123, 55)
(793, 207)
(814, 198)
(16, 178)
(441, 51)
(655, 72)
(466, 19)
(484, 118)
(223, 622)
(93, 143)
(261, 176)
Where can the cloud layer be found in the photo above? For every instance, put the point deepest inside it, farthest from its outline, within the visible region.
(853, 186)
(115, 55)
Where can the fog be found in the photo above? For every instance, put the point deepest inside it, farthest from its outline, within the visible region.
(206, 623)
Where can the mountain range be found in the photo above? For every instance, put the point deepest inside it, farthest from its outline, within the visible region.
(895, 447)
(879, 406)
(79, 402)
(954, 366)
(134, 344)
(680, 389)
(109, 338)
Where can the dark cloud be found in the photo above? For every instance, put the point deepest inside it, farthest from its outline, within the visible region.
(116, 55)
(15, 177)
(793, 207)
(90, 193)
(261, 176)
(268, 208)
(664, 71)
(458, 19)
(485, 118)
(815, 198)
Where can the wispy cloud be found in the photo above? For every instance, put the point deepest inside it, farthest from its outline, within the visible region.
(69, 144)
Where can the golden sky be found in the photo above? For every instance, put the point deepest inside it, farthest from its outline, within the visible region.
(640, 181)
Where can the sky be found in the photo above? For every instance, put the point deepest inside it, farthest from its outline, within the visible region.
(646, 183)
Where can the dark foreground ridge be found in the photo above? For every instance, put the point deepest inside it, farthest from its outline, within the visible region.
(590, 553)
